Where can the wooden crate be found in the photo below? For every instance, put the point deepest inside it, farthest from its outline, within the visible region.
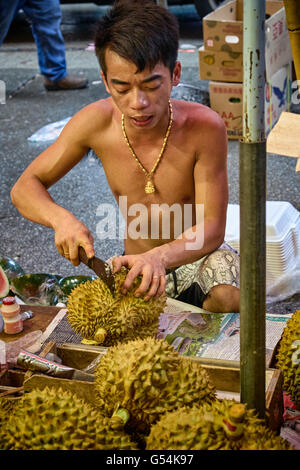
(225, 375)
(11, 382)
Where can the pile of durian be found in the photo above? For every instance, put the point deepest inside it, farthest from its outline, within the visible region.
(147, 396)
(51, 419)
(102, 318)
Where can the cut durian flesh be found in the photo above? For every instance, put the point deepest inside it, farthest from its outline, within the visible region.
(98, 316)
(213, 426)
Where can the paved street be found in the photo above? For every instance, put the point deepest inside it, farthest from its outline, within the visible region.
(29, 107)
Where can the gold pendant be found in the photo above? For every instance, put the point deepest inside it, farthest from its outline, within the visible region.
(149, 188)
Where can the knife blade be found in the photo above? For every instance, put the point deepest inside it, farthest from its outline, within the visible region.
(100, 267)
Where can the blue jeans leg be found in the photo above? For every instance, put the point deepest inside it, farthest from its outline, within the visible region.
(45, 18)
(8, 10)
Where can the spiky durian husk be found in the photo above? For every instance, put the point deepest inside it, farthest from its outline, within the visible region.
(91, 307)
(7, 405)
(148, 377)
(52, 419)
(288, 357)
(201, 428)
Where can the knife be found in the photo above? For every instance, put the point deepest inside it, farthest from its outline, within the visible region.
(100, 267)
(29, 361)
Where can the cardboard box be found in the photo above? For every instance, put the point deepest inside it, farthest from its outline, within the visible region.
(227, 100)
(277, 96)
(221, 65)
(223, 29)
(284, 137)
(278, 50)
(223, 33)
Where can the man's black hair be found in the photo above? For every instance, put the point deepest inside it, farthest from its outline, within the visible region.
(140, 32)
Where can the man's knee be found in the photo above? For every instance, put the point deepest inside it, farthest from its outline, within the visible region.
(222, 298)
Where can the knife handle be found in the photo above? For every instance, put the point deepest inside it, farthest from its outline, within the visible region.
(83, 256)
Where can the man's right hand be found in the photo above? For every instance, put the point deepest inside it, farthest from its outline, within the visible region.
(70, 233)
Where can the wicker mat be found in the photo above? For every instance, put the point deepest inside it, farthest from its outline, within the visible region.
(63, 333)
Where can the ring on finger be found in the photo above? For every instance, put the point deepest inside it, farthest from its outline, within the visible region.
(155, 276)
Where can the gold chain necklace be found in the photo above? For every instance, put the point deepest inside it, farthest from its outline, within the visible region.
(150, 188)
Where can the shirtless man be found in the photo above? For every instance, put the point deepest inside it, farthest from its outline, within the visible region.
(137, 44)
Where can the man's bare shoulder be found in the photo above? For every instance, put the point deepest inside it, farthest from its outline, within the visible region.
(86, 125)
(95, 116)
(199, 116)
(206, 132)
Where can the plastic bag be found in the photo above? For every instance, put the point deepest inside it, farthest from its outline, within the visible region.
(50, 132)
(284, 287)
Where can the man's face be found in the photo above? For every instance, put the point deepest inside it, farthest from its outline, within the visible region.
(141, 96)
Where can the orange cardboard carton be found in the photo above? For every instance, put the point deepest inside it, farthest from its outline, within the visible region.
(221, 56)
(221, 65)
(227, 100)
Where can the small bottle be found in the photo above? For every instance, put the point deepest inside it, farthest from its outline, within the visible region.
(10, 311)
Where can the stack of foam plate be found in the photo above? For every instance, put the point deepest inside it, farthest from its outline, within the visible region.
(282, 236)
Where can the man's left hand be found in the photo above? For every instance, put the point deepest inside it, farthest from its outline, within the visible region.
(150, 266)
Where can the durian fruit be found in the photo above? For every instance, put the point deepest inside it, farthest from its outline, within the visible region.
(147, 378)
(7, 405)
(221, 425)
(52, 419)
(101, 318)
(288, 357)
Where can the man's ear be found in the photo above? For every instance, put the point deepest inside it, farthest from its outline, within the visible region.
(104, 81)
(176, 73)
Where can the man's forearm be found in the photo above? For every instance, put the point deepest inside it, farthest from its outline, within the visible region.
(192, 245)
(34, 202)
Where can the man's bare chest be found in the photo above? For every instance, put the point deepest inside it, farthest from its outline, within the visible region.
(172, 177)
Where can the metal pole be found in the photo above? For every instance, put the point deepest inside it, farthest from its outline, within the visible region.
(252, 210)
